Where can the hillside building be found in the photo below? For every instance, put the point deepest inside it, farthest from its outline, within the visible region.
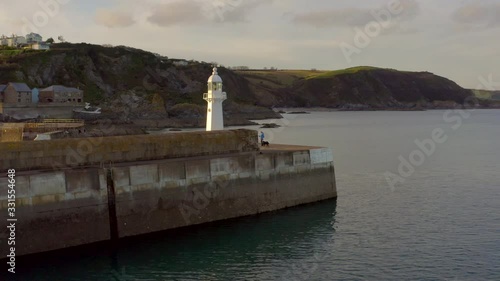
(33, 38)
(61, 95)
(16, 93)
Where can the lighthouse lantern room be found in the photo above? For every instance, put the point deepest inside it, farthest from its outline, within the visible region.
(215, 97)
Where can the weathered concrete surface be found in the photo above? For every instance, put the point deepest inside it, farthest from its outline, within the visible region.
(220, 188)
(60, 209)
(58, 154)
(150, 210)
(53, 213)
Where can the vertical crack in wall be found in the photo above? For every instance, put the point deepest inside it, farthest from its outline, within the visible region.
(113, 222)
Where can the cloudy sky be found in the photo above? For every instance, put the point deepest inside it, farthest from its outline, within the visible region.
(458, 39)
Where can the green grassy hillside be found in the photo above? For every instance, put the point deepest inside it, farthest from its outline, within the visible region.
(487, 95)
(141, 84)
(362, 87)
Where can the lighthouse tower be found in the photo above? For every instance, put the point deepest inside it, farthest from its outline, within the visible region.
(215, 97)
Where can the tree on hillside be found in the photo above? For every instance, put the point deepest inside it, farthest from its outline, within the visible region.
(50, 40)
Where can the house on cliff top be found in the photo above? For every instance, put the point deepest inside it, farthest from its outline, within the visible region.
(33, 38)
(31, 41)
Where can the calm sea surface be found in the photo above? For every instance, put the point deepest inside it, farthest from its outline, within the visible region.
(441, 223)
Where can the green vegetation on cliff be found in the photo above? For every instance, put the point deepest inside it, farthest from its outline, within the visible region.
(356, 88)
(126, 82)
(332, 74)
(487, 95)
(136, 84)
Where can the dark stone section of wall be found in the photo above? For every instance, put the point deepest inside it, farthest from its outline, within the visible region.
(59, 154)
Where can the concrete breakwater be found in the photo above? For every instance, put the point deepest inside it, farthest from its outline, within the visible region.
(86, 202)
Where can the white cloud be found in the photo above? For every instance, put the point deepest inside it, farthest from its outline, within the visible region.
(203, 12)
(110, 18)
(354, 16)
(186, 12)
(263, 32)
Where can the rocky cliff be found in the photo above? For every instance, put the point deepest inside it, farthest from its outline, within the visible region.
(131, 84)
(146, 88)
(360, 88)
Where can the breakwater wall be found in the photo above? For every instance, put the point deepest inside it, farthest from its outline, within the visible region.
(72, 153)
(61, 208)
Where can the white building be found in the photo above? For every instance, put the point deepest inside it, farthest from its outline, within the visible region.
(215, 97)
(33, 38)
(14, 41)
(180, 62)
(40, 46)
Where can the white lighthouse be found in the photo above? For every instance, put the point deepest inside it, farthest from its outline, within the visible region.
(215, 97)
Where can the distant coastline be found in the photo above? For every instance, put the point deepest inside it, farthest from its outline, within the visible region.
(306, 110)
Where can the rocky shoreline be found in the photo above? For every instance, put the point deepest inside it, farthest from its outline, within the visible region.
(115, 125)
(306, 110)
(142, 126)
